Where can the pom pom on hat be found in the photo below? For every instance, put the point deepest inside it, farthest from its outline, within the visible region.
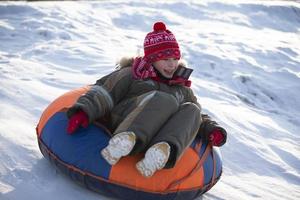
(160, 44)
(159, 26)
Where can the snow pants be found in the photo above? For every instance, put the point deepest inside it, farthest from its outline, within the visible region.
(158, 117)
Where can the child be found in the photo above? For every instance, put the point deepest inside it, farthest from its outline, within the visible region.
(149, 106)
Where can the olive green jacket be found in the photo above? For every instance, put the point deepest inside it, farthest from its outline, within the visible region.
(115, 95)
(119, 89)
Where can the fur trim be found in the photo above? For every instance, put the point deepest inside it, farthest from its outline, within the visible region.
(125, 62)
(182, 63)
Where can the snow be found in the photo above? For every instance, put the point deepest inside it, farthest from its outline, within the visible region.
(246, 60)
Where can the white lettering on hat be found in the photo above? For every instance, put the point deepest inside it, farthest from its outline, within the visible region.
(159, 38)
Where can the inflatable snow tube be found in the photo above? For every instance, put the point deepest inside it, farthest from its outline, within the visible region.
(78, 156)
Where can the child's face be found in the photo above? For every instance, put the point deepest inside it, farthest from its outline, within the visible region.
(166, 67)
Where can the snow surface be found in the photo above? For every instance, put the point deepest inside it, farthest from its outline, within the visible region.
(246, 60)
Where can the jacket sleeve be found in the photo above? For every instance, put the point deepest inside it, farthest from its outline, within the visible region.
(192, 98)
(103, 95)
(207, 126)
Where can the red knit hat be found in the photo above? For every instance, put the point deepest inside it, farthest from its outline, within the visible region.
(160, 44)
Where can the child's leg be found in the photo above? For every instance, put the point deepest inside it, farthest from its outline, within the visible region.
(150, 112)
(144, 119)
(180, 131)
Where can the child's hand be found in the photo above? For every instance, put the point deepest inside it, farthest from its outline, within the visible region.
(78, 119)
(217, 138)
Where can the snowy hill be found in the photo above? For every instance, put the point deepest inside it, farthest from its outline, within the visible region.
(246, 60)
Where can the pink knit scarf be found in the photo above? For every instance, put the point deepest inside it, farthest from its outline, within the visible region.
(142, 70)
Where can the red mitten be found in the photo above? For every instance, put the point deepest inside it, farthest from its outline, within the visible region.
(78, 119)
(216, 138)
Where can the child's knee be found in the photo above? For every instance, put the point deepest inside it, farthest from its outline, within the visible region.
(192, 109)
(161, 98)
(166, 98)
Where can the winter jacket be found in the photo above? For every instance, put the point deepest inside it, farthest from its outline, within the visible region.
(118, 89)
(153, 110)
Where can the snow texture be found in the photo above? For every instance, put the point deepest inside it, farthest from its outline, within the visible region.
(246, 60)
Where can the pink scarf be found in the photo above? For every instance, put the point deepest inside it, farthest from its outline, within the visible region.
(142, 70)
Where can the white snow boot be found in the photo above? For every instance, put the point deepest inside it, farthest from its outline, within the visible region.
(155, 159)
(119, 145)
